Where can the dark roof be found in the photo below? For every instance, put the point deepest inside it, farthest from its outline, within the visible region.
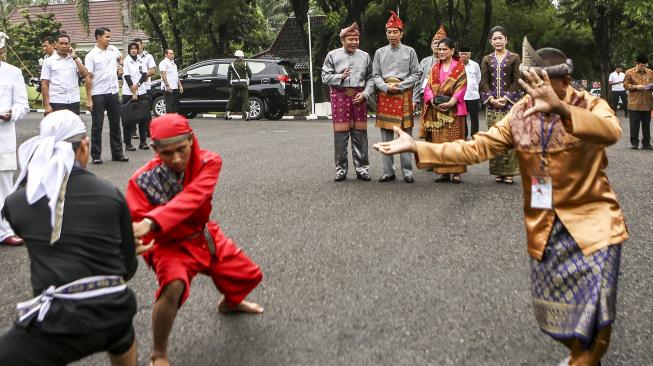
(102, 13)
(289, 45)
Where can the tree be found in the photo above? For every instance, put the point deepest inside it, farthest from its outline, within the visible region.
(25, 41)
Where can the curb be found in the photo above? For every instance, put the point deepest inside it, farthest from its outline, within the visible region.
(285, 118)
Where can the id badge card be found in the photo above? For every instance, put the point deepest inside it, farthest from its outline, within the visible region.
(541, 192)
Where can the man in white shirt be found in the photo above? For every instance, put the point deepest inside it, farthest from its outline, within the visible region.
(472, 96)
(13, 106)
(60, 78)
(151, 71)
(104, 63)
(171, 85)
(616, 81)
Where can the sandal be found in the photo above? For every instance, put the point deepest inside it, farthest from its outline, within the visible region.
(508, 180)
(457, 179)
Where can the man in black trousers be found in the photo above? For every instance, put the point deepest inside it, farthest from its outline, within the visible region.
(104, 64)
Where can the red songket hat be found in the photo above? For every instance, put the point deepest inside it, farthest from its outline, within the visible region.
(394, 22)
(172, 128)
(352, 30)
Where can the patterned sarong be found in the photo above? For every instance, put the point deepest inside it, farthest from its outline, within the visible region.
(574, 295)
(448, 132)
(394, 109)
(506, 164)
(345, 113)
(160, 184)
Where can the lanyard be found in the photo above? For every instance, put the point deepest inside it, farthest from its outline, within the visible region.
(545, 139)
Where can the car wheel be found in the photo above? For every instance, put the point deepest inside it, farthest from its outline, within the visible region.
(256, 108)
(190, 115)
(159, 106)
(274, 115)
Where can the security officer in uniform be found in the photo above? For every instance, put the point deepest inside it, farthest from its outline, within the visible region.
(239, 75)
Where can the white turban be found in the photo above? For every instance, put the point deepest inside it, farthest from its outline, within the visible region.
(3, 38)
(47, 160)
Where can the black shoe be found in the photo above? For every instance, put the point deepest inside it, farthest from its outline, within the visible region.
(97, 161)
(226, 118)
(647, 147)
(443, 178)
(409, 179)
(130, 148)
(633, 147)
(363, 176)
(387, 178)
(134, 137)
(144, 146)
(340, 177)
(122, 158)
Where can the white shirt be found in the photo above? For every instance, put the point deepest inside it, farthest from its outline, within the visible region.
(13, 98)
(61, 72)
(617, 77)
(473, 72)
(103, 64)
(170, 69)
(150, 63)
(133, 68)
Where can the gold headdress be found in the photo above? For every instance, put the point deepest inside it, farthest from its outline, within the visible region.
(532, 61)
(440, 34)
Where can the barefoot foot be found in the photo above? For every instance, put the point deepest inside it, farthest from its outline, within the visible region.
(243, 307)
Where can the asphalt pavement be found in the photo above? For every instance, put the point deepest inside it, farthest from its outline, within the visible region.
(368, 273)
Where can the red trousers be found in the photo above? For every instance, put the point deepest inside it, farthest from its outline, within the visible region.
(233, 273)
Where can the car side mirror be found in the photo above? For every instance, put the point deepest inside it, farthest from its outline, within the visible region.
(183, 76)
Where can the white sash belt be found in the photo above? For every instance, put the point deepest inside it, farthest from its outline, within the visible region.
(84, 288)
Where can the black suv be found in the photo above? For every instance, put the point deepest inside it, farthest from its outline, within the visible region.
(274, 89)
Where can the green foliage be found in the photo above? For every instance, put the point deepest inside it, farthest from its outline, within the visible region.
(25, 40)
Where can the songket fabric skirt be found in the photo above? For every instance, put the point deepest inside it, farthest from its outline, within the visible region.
(447, 133)
(574, 296)
(507, 164)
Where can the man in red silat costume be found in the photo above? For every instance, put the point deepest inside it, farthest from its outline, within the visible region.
(170, 202)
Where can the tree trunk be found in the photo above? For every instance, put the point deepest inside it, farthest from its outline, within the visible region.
(487, 23)
(602, 29)
(155, 26)
(171, 8)
(300, 9)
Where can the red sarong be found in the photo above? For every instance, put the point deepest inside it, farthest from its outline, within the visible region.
(395, 110)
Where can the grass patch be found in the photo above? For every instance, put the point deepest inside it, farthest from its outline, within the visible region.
(36, 99)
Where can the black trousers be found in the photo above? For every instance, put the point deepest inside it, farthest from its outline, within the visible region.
(638, 118)
(73, 107)
(172, 100)
(111, 104)
(473, 107)
(128, 131)
(615, 95)
(30, 346)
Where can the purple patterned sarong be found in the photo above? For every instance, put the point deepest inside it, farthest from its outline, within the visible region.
(574, 295)
(347, 115)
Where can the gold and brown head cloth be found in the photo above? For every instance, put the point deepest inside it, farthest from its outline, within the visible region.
(440, 34)
(352, 30)
(532, 61)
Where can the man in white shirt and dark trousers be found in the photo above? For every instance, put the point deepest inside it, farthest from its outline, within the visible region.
(472, 96)
(171, 84)
(60, 78)
(103, 63)
(13, 106)
(133, 89)
(148, 59)
(616, 81)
